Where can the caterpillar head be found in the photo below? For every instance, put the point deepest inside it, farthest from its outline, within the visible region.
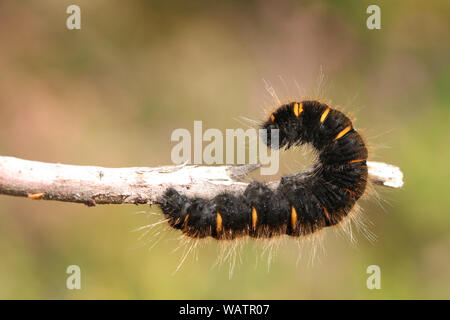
(282, 125)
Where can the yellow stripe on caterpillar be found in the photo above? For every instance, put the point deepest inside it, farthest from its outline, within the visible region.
(343, 132)
(324, 115)
(254, 218)
(218, 222)
(298, 109)
(293, 217)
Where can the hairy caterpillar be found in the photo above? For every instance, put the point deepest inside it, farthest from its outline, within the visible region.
(302, 203)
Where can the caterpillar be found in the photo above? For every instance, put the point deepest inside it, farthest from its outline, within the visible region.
(303, 203)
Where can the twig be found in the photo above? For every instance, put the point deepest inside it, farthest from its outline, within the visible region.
(139, 185)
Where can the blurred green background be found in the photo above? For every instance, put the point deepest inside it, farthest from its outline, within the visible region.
(111, 94)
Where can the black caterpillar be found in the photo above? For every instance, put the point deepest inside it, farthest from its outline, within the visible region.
(302, 203)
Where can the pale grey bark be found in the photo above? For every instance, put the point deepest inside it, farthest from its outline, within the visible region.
(139, 185)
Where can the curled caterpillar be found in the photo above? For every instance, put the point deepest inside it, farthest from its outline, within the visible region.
(302, 203)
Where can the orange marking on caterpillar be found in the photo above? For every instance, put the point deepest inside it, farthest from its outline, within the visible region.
(350, 191)
(293, 217)
(326, 213)
(356, 161)
(343, 132)
(324, 115)
(218, 223)
(186, 218)
(298, 109)
(272, 117)
(36, 196)
(254, 218)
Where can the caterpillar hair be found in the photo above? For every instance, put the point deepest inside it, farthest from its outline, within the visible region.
(303, 203)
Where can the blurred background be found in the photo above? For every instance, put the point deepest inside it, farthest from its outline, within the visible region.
(111, 94)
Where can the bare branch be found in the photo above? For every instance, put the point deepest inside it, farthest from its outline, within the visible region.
(139, 185)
